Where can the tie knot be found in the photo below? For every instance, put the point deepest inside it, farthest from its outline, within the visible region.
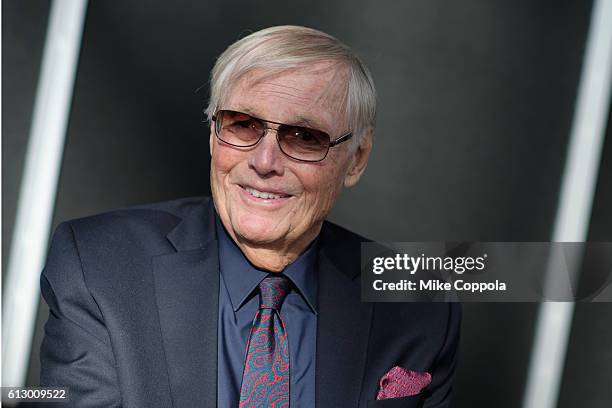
(272, 292)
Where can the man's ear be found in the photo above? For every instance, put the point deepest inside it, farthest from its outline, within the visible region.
(359, 159)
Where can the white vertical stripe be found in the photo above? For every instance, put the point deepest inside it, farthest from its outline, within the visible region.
(575, 203)
(38, 187)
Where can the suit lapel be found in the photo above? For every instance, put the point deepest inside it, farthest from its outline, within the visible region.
(187, 291)
(343, 326)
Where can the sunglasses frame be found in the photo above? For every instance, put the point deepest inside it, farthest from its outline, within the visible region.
(265, 122)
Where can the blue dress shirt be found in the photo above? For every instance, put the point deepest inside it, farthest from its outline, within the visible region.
(238, 303)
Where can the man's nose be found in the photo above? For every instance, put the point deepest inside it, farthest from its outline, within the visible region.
(267, 159)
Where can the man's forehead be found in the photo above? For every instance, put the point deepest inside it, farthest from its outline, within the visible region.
(314, 96)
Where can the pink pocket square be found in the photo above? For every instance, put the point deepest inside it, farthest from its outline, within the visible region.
(399, 382)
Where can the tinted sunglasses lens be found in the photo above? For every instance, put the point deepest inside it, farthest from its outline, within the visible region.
(303, 143)
(239, 129)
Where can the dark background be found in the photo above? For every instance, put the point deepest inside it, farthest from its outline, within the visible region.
(476, 102)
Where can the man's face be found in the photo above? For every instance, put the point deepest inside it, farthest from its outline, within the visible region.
(304, 193)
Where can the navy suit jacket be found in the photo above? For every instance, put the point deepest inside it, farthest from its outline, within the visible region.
(133, 316)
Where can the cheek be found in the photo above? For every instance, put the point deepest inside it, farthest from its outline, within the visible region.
(322, 188)
(223, 160)
(222, 164)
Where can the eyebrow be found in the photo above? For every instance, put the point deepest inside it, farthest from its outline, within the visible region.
(302, 121)
(299, 120)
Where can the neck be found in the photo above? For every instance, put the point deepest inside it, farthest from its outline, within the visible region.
(275, 257)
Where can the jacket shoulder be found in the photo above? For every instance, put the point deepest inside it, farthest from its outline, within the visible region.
(121, 242)
(142, 220)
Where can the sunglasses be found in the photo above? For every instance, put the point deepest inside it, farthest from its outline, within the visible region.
(300, 143)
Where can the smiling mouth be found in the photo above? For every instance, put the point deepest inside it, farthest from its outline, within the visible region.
(266, 195)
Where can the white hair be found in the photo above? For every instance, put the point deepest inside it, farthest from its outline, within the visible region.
(280, 48)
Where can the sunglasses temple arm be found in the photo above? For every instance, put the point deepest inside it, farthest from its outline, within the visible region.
(340, 139)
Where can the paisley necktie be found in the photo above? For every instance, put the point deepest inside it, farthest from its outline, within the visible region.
(265, 381)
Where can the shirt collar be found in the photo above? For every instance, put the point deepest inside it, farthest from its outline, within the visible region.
(242, 278)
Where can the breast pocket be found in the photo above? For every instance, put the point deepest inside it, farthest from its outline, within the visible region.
(415, 401)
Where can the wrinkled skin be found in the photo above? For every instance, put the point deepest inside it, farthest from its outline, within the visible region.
(272, 233)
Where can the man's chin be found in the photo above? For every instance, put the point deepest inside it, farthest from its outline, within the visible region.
(258, 235)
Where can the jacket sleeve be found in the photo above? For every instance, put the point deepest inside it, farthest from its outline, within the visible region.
(76, 350)
(444, 372)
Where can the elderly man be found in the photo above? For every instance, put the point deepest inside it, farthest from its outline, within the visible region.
(250, 299)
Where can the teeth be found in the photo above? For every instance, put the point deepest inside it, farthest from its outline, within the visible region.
(263, 194)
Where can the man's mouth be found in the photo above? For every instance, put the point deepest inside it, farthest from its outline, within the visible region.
(266, 195)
